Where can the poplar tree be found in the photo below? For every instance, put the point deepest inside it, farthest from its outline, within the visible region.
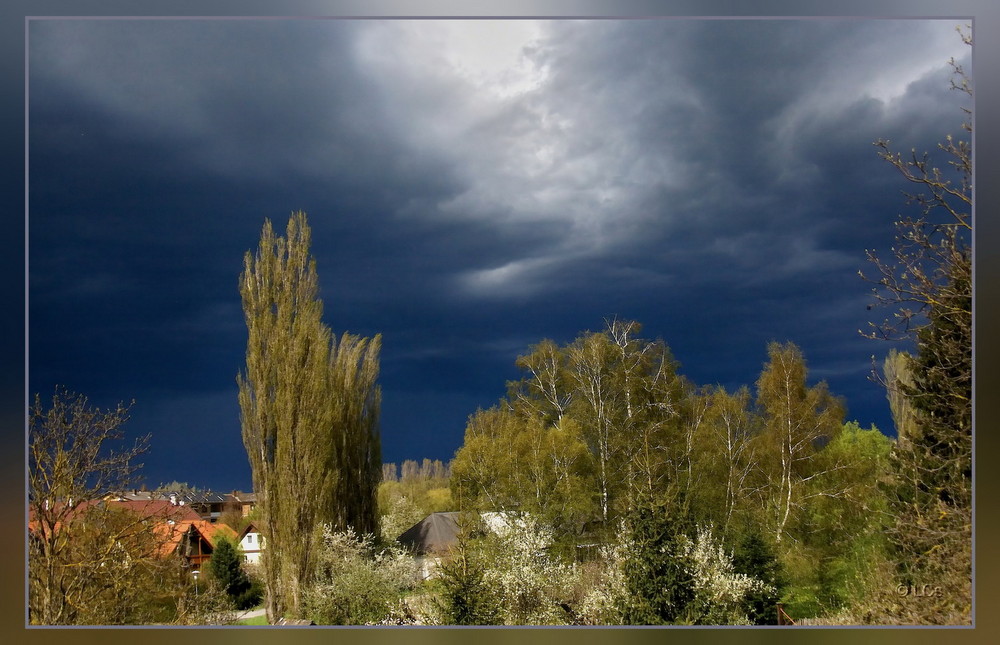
(309, 413)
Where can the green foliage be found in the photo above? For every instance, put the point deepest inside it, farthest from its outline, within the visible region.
(797, 420)
(658, 572)
(726, 489)
(595, 420)
(226, 568)
(354, 582)
(465, 597)
(597, 430)
(251, 596)
(423, 489)
(755, 557)
(309, 413)
(514, 463)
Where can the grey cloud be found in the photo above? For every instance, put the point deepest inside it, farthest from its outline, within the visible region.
(257, 99)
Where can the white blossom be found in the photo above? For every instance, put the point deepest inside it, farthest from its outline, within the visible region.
(719, 589)
(529, 581)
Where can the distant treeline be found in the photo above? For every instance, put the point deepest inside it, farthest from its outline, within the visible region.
(411, 471)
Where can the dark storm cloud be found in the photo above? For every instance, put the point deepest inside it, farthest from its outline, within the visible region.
(472, 189)
(261, 100)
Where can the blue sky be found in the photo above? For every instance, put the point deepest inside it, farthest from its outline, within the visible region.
(473, 187)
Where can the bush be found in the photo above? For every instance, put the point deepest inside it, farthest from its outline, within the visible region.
(532, 585)
(506, 576)
(251, 596)
(721, 593)
(210, 605)
(354, 584)
(654, 574)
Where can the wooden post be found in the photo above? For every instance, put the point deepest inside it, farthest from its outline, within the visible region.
(784, 618)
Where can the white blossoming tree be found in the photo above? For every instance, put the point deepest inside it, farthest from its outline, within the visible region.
(355, 583)
(720, 592)
(531, 584)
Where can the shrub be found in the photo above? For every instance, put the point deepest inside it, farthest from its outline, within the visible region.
(533, 586)
(721, 593)
(355, 584)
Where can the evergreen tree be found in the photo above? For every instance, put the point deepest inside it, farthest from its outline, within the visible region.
(755, 557)
(227, 569)
(659, 576)
(928, 283)
(466, 599)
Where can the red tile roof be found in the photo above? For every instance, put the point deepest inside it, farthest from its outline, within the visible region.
(213, 532)
(160, 509)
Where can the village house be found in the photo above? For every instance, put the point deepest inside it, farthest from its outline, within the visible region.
(184, 525)
(209, 505)
(251, 542)
(195, 540)
(430, 539)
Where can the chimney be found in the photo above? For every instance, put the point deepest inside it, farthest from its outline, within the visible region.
(173, 499)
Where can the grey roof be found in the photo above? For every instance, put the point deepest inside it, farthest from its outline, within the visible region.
(435, 533)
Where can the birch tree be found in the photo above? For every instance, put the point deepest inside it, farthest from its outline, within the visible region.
(599, 403)
(646, 374)
(545, 389)
(731, 428)
(797, 419)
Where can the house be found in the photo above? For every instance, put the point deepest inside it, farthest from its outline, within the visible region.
(179, 529)
(434, 536)
(246, 501)
(161, 511)
(195, 540)
(158, 509)
(251, 542)
(430, 539)
(208, 504)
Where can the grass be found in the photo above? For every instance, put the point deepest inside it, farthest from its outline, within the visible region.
(256, 620)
